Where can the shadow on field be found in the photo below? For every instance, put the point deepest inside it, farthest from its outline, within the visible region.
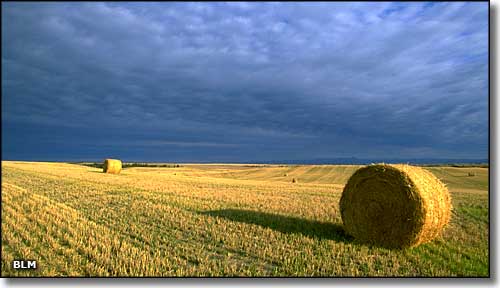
(285, 224)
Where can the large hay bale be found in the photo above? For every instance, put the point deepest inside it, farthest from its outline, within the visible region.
(394, 206)
(112, 166)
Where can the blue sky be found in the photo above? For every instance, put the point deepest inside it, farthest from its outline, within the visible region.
(243, 81)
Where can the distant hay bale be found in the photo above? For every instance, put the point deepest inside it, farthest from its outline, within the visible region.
(394, 206)
(112, 166)
(285, 175)
(471, 174)
(295, 180)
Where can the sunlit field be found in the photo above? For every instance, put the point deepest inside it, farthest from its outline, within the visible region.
(218, 220)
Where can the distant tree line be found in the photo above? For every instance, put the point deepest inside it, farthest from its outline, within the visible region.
(459, 165)
(132, 164)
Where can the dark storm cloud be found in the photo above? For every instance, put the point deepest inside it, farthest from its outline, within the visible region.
(246, 81)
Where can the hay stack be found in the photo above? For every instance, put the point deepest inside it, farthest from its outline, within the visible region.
(394, 206)
(112, 166)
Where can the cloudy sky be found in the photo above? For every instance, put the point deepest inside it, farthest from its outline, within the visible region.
(244, 81)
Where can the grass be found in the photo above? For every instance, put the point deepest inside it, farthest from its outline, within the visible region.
(218, 220)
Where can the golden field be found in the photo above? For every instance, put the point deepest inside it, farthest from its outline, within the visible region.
(219, 220)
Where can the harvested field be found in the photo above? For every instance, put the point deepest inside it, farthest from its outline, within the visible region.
(218, 220)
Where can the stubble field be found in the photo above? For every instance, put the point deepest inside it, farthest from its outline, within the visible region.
(218, 220)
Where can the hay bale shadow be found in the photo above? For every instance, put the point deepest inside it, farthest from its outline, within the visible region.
(285, 224)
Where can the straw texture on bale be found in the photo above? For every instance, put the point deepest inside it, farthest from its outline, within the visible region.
(394, 206)
(112, 166)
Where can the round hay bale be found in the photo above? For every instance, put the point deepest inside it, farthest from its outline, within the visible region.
(112, 166)
(295, 180)
(394, 206)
